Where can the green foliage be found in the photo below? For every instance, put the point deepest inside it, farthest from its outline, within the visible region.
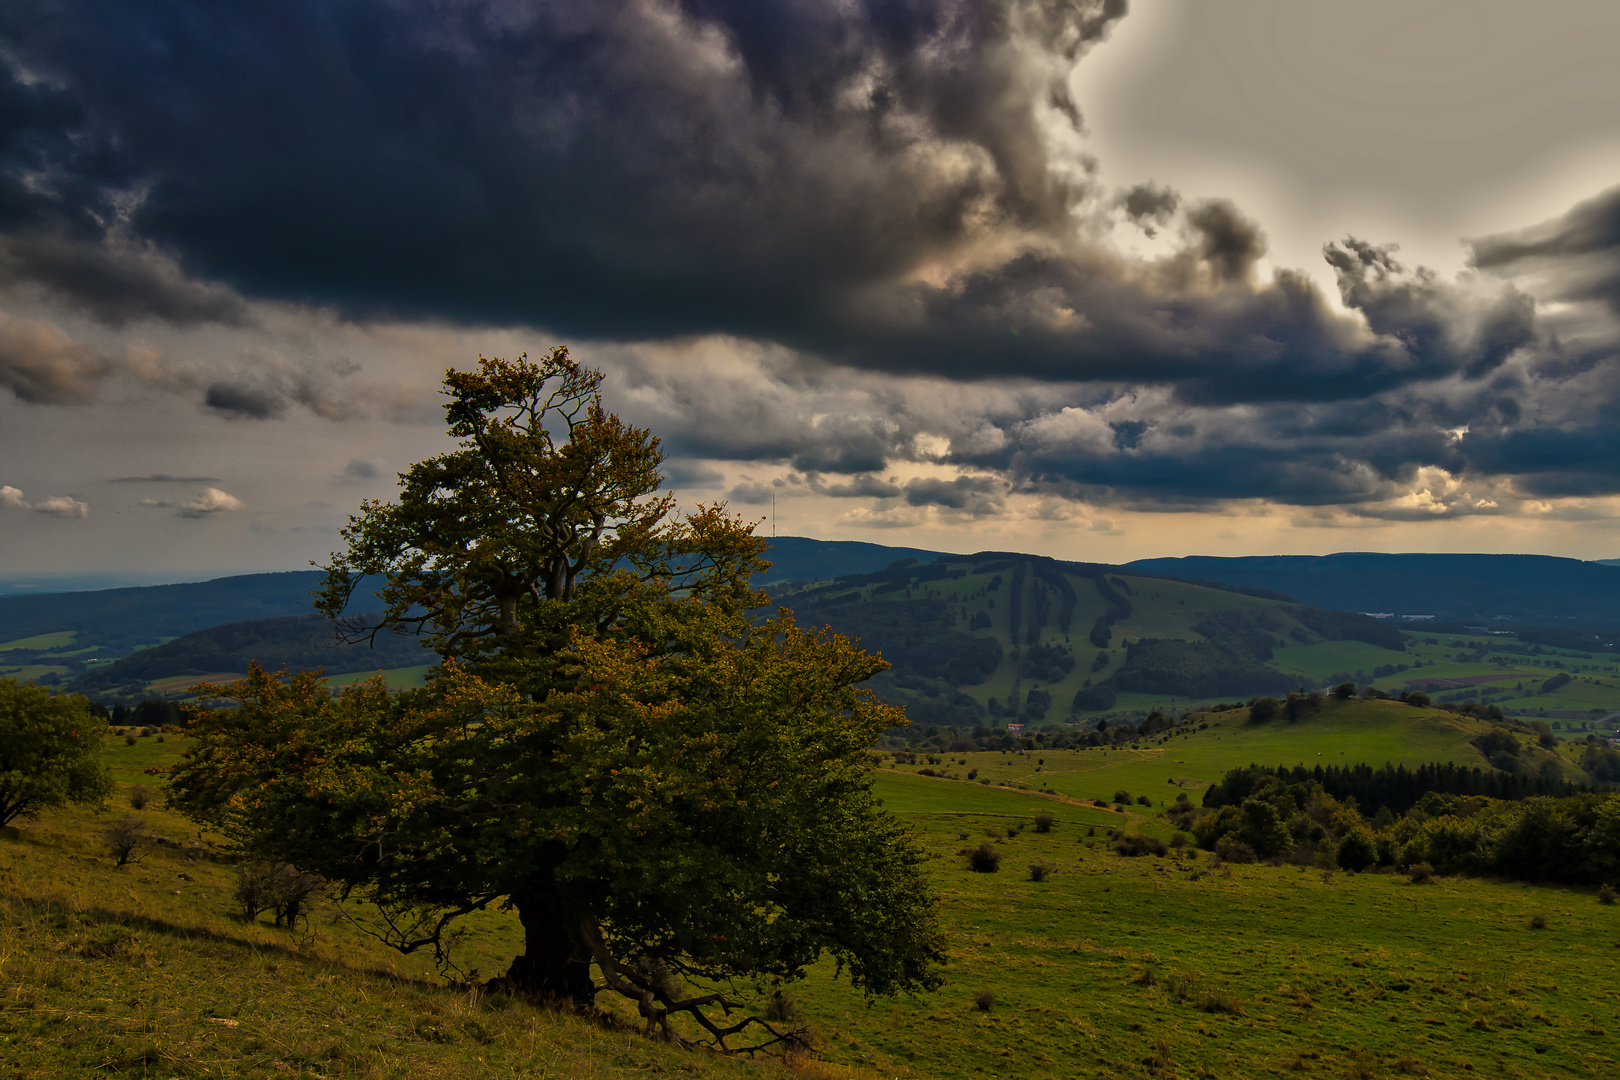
(1556, 683)
(1497, 741)
(918, 638)
(1357, 850)
(1262, 828)
(1193, 669)
(1094, 699)
(1601, 763)
(1046, 663)
(984, 859)
(287, 641)
(1264, 710)
(1395, 787)
(1349, 626)
(613, 748)
(50, 751)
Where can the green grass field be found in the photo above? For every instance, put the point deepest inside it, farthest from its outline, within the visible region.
(59, 640)
(1110, 967)
(1374, 732)
(394, 678)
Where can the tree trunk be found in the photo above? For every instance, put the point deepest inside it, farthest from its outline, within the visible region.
(555, 967)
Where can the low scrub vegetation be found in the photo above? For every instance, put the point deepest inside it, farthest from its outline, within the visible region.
(1277, 813)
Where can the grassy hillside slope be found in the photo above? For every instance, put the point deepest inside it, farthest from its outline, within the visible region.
(1110, 967)
(1190, 758)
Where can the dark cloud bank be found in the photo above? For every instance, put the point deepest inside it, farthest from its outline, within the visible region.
(871, 185)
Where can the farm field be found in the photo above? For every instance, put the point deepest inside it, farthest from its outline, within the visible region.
(1110, 967)
(1374, 732)
(395, 678)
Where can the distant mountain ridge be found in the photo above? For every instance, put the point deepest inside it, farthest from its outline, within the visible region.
(1530, 590)
(123, 619)
(294, 642)
(1514, 589)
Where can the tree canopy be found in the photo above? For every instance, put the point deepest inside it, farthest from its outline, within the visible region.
(660, 785)
(50, 751)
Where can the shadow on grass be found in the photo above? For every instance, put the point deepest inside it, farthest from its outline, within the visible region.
(58, 905)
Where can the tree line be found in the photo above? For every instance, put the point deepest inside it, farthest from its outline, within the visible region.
(1532, 830)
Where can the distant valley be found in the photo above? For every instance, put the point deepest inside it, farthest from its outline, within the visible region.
(974, 641)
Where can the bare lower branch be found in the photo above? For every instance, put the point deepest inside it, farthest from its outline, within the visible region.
(656, 1004)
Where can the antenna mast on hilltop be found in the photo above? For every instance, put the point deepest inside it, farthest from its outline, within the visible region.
(773, 516)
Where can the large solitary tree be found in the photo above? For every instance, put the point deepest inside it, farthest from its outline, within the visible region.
(670, 794)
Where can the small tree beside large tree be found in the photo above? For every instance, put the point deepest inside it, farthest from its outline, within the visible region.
(50, 751)
(663, 788)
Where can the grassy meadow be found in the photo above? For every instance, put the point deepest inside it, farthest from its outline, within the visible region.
(1190, 758)
(1111, 966)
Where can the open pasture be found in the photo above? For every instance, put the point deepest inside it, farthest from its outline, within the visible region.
(1373, 732)
(1111, 966)
(1162, 967)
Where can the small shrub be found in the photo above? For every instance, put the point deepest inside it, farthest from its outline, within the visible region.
(1178, 841)
(1538, 921)
(984, 1001)
(1160, 1061)
(1234, 851)
(1122, 797)
(292, 892)
(984, 860)
(124, 838)
(1419, 873)
(139, 796)
(255, 882)
(1606, 895)
(1044, 823)
(1143, 800)
(1137, 846)
(129, 740)
(1040, 871)
(1219, 1001)
(1183, 985)
(782, 1008)
(278, 888)
(973, 774)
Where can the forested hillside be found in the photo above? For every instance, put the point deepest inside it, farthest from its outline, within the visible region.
(1001, 636)
(119, 620)
(291, 641)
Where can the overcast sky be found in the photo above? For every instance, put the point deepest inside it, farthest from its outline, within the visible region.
(1096, 280)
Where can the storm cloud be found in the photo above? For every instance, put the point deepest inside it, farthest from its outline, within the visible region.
(882, 213)
(877, 184)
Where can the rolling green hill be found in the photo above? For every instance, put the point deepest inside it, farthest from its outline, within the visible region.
(972, 638)
(1196, 754)
(293, 641)
(1156, 966)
